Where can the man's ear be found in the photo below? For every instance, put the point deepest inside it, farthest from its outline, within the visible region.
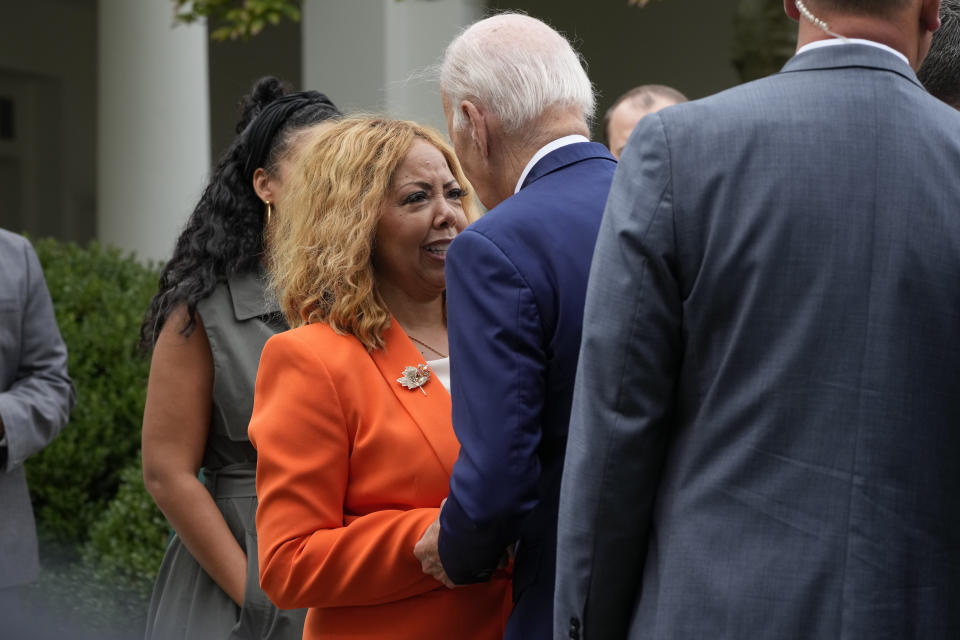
(790, 8)
(263, 186)
(930, 15)
(476, 119)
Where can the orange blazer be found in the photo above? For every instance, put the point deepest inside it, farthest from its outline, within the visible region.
(351, 470)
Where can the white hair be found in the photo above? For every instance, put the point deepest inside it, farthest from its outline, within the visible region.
(517, 67)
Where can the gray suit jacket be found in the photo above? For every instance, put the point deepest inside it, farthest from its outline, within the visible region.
(765, 438)
(35, 397)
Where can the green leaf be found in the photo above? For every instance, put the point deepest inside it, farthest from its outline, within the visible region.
(235, 18)
(220, 34)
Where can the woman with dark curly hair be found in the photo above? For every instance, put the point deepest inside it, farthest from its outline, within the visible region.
(206, 326)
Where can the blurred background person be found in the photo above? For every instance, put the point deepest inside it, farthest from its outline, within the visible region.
(207, 325)
(625, 113)
(940, 71)
(36, 396)
(352, 415)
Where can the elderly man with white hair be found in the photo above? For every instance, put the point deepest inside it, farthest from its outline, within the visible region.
(517, 101)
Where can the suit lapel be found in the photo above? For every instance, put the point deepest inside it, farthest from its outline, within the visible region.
(430, 412)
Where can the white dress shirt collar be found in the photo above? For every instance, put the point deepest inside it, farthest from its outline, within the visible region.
(552, 146)
(817, 44)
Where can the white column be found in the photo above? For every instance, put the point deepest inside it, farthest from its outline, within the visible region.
(153, 125)
(375, 55)
(344, 51)
(417, 34)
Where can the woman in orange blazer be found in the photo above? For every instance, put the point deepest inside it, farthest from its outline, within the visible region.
(351, 416)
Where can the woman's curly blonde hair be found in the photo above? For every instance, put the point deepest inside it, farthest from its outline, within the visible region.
(321, 237)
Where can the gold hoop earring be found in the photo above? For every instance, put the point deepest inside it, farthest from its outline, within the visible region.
(269, 211)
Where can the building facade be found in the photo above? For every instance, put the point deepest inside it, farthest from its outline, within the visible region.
(110, 116)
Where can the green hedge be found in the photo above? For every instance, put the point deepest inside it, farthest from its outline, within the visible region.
(99, 298)
(102, 537)
(130, 538)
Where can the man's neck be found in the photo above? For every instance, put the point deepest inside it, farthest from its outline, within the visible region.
(883, 31)
(516, 154)
(513, 160)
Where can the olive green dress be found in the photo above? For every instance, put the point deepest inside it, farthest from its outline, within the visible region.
(187, 604)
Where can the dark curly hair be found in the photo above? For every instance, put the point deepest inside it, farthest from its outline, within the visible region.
(224, 234)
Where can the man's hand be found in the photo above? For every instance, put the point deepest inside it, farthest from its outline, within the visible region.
(428, 554)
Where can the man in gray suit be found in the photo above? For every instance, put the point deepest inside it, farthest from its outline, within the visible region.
(766, 424)
(36, 396)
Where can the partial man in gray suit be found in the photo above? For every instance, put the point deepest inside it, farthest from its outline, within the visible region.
(36, 396)
(765, 433)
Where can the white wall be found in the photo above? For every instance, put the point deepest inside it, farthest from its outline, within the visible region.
(48, 67)
(416, 35)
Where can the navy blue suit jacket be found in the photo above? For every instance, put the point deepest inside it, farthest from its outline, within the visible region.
(516, 281)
